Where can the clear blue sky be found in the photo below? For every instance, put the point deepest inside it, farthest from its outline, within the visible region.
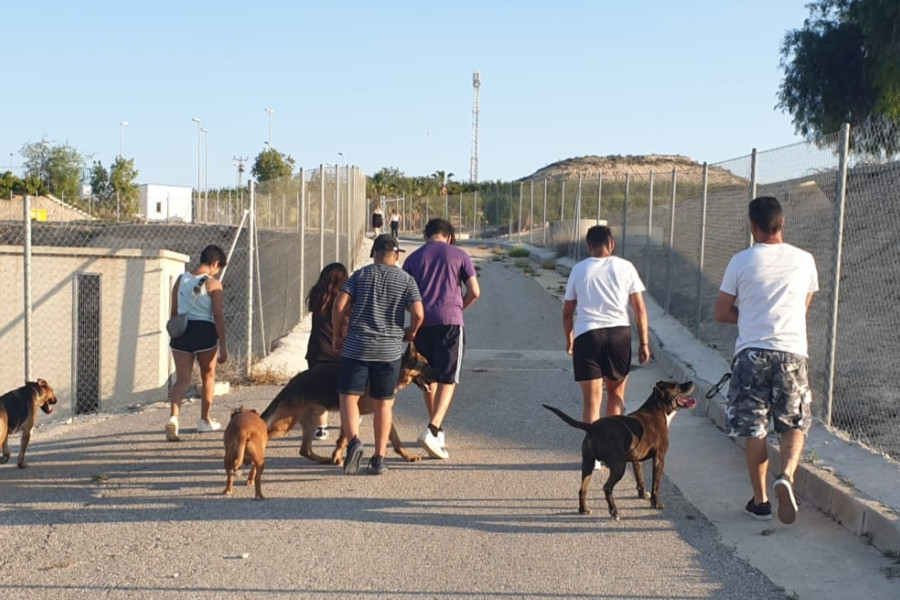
(390, 83)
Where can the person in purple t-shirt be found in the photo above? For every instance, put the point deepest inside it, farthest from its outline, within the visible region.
(441, 270)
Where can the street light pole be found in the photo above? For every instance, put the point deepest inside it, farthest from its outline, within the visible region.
(206, 177)
(270, 111)
(122, 126)
(199, 133)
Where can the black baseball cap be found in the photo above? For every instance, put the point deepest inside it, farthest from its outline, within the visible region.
(383, 242)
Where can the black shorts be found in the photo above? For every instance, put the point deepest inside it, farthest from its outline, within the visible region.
(200, 336)
(602, 353)
(443, 346)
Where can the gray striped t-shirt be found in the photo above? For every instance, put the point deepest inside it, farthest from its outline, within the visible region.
(381, 294)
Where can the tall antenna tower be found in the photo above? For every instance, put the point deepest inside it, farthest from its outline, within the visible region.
(473, 163)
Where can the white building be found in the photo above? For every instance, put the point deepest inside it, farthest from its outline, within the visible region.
(166, 202)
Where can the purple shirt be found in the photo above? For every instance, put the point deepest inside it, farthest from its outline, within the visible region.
(440, 270)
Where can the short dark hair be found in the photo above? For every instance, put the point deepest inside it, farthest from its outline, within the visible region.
(766, 214)
(599, 236)
(211, 254)
(441, 226)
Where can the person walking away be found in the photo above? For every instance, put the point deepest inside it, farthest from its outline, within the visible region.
(766, 291)
(441, 270)
(200, 295)
(395, 223)
(597, 326)
(377, 220)
(319, 348)
(374, 298)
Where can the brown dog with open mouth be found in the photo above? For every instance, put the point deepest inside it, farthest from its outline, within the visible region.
(313, 392)
(245, 444)
(18, 412)
(633, 438)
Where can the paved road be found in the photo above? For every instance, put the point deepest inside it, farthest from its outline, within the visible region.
(109, 509)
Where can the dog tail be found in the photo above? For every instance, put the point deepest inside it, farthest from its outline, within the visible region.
(567, 418)
(238, 453)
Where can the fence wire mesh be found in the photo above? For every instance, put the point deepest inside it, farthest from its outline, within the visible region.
(100, 287)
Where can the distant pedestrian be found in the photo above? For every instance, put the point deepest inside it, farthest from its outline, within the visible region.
(395, 223)
(597, 326)
(319, 349)
(377, 220)
(766, 291)
(375, 298)
(198, 294)
(441, 271)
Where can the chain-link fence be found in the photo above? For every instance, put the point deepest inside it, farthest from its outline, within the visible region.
(97, 291)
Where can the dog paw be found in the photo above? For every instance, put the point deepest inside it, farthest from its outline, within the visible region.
(413, 458)
(260, 497)
(228, 492)
(584, 511)
(4, 459)
(23, 465)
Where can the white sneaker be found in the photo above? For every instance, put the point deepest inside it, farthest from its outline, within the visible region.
(208, 426)
(432, 445)
(598, 465)
(172, 430)
(441, 440)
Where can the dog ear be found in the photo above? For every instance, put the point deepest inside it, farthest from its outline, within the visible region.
(42, 383)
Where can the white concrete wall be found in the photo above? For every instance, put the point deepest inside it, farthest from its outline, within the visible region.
(166, 202)
(135, 289)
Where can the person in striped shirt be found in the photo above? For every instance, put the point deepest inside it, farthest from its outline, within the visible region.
(375, 298)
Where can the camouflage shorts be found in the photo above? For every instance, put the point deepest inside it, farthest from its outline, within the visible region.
(764, 384)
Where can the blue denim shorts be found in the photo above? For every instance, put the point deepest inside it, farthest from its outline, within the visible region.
(380, 378)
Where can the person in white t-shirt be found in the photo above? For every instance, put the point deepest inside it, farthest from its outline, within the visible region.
(597, 325)
(766, 291)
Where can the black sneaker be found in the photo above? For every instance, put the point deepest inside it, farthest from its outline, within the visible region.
(760, 512)
(354, 455)
(377, 466)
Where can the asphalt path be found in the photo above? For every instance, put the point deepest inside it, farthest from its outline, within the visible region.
(109, 509)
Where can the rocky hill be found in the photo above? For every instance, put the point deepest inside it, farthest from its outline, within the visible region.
(615, 167)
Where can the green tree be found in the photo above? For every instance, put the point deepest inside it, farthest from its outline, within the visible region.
(56, 169)
(272, 164)
(123, 184)
(10, 184)
(99, 180)
(843, 65)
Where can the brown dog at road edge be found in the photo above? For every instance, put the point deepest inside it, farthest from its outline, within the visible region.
(634, 438)
(245, 444)
(18, 412)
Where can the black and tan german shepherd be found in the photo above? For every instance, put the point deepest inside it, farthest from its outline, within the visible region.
(18, 412)
(313, 392)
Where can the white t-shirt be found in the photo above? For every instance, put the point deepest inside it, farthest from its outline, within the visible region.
(601, 288)
(771, 283)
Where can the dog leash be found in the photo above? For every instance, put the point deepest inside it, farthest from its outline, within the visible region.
(711, 392)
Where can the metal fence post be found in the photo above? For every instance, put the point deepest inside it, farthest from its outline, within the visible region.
(475, 216)
(703, 201)
(752, 188)
(26, 255)
(649, 232)
(831, 339)
(349, 214)
(460, 212)
(625, 214)
(301, 223)
(321, 217)
(337, 213)
(671, 242)
(599, 193)
(250, 251)
(531, 216)
(519, 227)
(544, 220)
(576, 219)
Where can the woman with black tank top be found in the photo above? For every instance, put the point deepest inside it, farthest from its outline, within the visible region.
(319, 302)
